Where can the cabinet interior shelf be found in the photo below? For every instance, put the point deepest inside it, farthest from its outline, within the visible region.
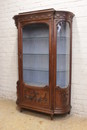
(24, 38)
(35, 69)
(62, 54)
(61, 37)
(42, 69)
(42, 54)
(34, 54)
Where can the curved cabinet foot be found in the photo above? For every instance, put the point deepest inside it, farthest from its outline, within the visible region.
(69, 112)
(21, 109)
(51, 116)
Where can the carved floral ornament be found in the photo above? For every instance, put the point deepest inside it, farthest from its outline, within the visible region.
(32, 17)
(35, 96)
(57, 15)
(64, 98)
(63, 16)
(63, 95)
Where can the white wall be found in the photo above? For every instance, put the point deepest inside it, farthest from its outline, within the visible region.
(8, 47)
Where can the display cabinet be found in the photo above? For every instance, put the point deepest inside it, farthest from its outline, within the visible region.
(44, 61)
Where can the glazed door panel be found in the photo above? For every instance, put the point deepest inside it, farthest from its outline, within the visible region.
(36, 41)
(36, 54)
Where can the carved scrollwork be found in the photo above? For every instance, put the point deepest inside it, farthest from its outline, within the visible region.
(31, 17)
(34, 17)
(36, 96)
(63, 16)
(62, 97)
(59, 16)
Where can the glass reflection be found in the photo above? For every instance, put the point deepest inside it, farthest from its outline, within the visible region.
(63, 54)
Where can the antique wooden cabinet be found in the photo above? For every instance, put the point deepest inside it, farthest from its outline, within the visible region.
(44, 61)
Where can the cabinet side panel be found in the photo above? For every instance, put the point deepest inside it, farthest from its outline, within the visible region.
(62, 98)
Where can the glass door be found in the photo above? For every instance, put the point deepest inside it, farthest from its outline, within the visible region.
(36, 54)
(63, 54)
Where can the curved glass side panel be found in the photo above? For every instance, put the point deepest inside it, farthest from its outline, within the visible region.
(36, 54)
(63, 54)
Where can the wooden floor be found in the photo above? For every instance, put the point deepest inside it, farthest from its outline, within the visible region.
(12, 119)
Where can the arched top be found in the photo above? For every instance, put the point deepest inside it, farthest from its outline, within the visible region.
(38, 23)
(34, 22)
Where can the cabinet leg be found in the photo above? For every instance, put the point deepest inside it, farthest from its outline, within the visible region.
(69, 112)
(21, 109)
(51, 116)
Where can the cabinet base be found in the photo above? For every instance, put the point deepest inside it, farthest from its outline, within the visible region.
(46, 111)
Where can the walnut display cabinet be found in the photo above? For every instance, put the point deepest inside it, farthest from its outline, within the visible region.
(44, 61)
